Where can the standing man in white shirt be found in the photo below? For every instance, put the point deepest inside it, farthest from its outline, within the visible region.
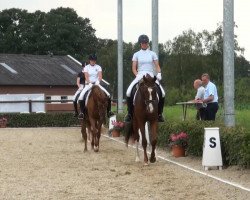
(210, 97)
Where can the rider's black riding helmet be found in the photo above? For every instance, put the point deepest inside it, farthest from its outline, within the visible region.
(143, 39)
(92, 57)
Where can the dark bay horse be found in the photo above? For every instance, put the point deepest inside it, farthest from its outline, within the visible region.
(145, 110)
(94, 116)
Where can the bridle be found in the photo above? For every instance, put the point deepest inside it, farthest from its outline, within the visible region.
(148, 101)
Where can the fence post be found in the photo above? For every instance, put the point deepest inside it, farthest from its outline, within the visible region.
(30, 106)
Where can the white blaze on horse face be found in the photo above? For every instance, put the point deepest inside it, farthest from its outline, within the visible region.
(151, 108)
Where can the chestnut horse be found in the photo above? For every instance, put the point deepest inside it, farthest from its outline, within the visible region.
(94, 116)
(145, 110)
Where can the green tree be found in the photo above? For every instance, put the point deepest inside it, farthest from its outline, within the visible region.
(69, 34)
(60, 31)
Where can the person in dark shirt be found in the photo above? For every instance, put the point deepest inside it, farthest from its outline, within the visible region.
(80, 81)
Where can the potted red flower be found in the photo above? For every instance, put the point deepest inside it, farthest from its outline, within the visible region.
(178, 143)
(118, 126)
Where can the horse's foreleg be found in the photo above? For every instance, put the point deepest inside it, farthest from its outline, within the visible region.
(144, 143)
(98, 136)
(84, 135)
(153, 130)
(136, 138)
(137, 157)
(94, 131)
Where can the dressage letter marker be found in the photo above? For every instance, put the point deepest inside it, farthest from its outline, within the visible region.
(211, 149)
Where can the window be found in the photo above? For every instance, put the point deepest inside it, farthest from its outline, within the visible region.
(64, 98)
(48, 98)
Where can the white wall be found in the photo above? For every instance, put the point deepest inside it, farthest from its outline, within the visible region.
(21, 107)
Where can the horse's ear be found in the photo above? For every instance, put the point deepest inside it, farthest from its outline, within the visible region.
(144, 78)
(155, 78)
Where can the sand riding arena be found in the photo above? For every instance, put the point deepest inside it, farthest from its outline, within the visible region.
(49, 163)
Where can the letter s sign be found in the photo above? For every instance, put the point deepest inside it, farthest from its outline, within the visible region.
(212, 142)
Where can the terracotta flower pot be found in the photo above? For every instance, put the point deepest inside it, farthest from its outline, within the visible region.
(116, 133)
(178, 151)
(3, 123)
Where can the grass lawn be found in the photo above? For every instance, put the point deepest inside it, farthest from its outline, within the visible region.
(242, 116)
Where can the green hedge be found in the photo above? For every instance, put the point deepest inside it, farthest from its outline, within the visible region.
(41, 120)
(235, 142)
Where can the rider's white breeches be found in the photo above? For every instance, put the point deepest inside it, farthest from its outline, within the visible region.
(88, 87)
(136, 80)
(78, 92)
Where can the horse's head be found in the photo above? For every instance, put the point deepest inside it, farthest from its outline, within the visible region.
(148, 90)
(96, 109)
(100, 101)
(150, 81)
(97, 104)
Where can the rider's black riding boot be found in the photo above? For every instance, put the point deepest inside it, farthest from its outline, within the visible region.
(160, 109)
(128, 117)
(82, 107)
(75, 107)
(109, 112)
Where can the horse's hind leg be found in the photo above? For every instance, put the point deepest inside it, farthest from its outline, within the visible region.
(153, 130)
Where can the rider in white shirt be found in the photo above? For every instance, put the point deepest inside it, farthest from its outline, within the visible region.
(145, 62)
(93, 76)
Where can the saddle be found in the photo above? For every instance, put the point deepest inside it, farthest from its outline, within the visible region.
(86, 97)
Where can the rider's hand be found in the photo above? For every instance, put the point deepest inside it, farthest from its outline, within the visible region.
(158, 76)
(90, 84)
(97, 82)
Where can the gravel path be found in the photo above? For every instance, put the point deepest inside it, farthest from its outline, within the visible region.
(49, 163)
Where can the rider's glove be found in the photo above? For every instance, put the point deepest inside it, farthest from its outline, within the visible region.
(90, 85)
(158, 76)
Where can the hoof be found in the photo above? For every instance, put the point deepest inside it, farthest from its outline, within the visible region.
(96, 149)
(152, 160)
(145, 163)
(137, 159)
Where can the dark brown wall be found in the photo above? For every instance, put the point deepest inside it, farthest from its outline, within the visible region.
(62, 107)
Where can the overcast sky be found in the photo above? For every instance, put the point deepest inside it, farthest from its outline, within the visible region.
(175, 16)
